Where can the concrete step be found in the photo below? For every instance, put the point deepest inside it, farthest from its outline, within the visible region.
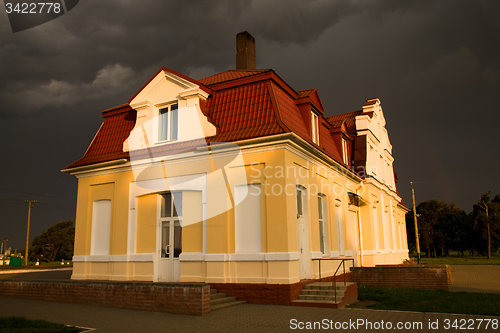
(224, 305)
(321, 292)
(216, 296)
(319, 304)
(316, 298)
(327, 286)
(222, 300)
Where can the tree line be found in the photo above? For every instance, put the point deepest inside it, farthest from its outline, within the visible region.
(54, 244)
(444, 227)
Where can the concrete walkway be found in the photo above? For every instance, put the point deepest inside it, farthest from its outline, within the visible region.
(475, 278)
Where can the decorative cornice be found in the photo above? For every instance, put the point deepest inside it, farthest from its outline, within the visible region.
(194, 92)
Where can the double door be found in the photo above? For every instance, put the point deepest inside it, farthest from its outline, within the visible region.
(171, 248)
(171, 237)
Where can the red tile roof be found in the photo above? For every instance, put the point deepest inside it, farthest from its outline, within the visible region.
(108, 142)
(327, 142)
(230, 75)
(243, 112)
(349, 119)
(304, 93)
(243, 107)
(290, 115)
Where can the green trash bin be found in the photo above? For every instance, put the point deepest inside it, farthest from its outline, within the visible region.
(15, 261)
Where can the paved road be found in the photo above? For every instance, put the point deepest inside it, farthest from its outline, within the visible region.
(475, 278)
(242, 318)
(52, 274)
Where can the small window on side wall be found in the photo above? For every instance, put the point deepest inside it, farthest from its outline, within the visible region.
(248, 219)
(169, 123)
(345, 152)
(314, 128)
(299, 196)
(323, 223)
(101, 227)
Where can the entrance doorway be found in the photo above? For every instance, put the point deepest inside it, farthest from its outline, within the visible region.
(303, 234)
(171, 237)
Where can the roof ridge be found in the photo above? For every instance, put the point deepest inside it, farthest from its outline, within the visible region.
(344, 115)
(230, 75)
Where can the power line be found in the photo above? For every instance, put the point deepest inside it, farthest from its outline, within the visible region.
(53, 206)
(38, 194)
(43, 203)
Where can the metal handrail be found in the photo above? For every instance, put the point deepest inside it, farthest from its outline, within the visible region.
(334, 283)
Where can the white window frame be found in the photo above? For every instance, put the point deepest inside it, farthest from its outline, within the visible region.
(323, 224)
(376, 227)
(248, 218)
(345, 153)
(175, 205)
(339, 217)
(172, 117)
(101, 227)
(314, 128)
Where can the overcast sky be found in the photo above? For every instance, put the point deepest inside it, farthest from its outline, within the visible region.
(434, 65)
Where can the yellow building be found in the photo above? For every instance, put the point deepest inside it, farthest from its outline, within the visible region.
(236, 179)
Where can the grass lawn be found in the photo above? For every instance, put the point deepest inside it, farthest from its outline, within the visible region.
(421, 300)
(454, 260)
(23, 325)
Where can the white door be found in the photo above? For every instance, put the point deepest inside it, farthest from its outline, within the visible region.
(171, 237)
(340, 227)
(352, 234)
(303, 235)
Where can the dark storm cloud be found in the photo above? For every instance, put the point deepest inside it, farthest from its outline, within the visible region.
(79, 54)
(433, 63)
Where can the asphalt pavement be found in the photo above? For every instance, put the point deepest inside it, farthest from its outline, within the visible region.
(49, 274)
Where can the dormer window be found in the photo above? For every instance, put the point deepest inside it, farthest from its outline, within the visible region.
(169, 123)
(314, 128)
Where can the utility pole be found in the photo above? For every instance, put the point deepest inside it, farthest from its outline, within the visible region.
(416, 225)
(485, 206)
(30, 205)
(4, 249)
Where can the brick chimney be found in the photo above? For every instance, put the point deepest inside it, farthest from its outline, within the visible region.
(245, 51)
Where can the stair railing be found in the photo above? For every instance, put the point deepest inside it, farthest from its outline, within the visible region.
(342, 263)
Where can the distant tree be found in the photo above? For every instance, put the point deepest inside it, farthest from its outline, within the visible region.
(55, 243)
(410, 231)
(441, 228)
(429, 214)
(456, 228)
(486, 215)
